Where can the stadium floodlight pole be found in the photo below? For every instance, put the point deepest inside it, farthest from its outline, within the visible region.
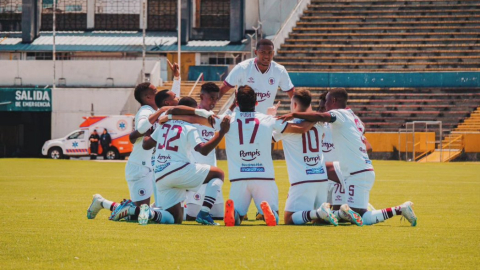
(179, 33)
(53, 41)
(251, 45)
(144, 26)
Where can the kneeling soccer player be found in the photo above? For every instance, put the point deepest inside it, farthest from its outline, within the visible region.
(175, 174)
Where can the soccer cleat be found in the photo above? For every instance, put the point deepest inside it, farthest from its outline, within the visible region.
(259, 216)
(144, 215)
(407, 213)
(121, 211)
(95, 206)
(326, 214)
(268, 214)
(229, 217)
(205, 218)
(350, 215)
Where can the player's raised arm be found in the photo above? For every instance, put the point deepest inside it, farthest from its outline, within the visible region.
(309, 116)
(205, 148)
(224, 89)
(299, 127)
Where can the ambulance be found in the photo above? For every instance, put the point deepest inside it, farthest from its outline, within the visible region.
(77, 144)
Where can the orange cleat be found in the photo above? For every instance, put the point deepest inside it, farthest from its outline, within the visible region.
(229, 214)
(268, 214)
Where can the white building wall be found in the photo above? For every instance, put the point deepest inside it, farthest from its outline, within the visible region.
(77, 73)
(69, 105)
(251, 14)
(273, 13)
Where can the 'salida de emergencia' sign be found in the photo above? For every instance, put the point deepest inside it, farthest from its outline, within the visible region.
(25, 99)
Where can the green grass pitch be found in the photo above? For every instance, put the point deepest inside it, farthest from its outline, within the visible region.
(43, 207)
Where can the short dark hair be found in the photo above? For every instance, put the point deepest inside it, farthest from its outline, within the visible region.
(188, 101)
(160, 98)
(140, 91)
(339, 94)
(323, 96)
(303, 96)
(210, 87)
(246, 98)
(264, 42)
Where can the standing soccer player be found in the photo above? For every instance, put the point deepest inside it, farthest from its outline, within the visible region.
(262, 74)
(250, 163)
(347, 133)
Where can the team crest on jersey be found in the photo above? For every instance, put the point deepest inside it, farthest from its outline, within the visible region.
(141, 192)
(251, 80)
(197, 197)
(271, 80)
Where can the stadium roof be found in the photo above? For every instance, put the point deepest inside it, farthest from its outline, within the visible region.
(112, 41)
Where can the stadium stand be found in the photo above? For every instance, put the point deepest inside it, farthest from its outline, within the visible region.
(359, 35)
(387, 110)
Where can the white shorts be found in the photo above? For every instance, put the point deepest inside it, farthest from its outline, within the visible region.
(140, 181)
(242, 192)
(198, 196)
(306, 196)
(357, 190)
(172, 188)
(216, 212)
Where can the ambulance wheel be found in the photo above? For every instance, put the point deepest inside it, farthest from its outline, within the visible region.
(112, 154)
(55, 153)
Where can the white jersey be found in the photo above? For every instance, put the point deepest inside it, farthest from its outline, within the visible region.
(328, 147)
(139, 155)
(175, 139)
(303, 154)
(248, 144)
(265, 84)
(347, 133)
(206, 133)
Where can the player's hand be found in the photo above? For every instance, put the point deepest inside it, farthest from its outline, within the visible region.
(273, 110)
(285, 117)
(175, 68)
(225, 124)
(204, 113)
(212, 120)
(233, 105)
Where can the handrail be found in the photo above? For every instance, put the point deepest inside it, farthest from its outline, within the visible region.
(227, 103)
(196, 82)
(460, 137)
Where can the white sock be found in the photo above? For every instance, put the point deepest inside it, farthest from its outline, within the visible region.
(377, 216)
(211, 191)
(162, 216)
(109, 205)
(302, 217)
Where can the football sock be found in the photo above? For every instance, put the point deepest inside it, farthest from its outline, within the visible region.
(211, 191)
(161, 216)
(109, 205)
(238, 221)
(133, 211)
(276, 216)
(377, 216)
(302, 217)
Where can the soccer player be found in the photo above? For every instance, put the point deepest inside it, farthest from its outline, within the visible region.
(175, 174)
(330, 155)
(347, 133)
(208, 98)
(308, 173)
(262, 74)
(250, 163)
(138, 171)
